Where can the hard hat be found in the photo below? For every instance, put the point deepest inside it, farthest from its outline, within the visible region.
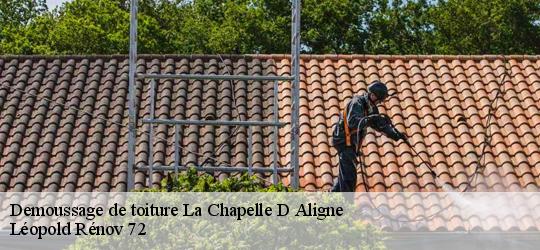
(379, 89)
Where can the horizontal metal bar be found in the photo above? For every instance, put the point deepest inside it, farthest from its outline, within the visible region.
(214, 77)
(214, 122)
(220, 169)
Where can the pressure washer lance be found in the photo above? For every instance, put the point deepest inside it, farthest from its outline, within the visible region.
(445, 186)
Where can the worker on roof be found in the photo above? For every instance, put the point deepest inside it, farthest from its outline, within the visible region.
(361, 112)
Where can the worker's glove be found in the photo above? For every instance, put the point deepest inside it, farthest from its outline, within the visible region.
(384, 120)
(401, 135)
(394, 134)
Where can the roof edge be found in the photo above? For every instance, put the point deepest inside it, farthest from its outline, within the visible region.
(282, 56)
(402, 57)
(125, 56)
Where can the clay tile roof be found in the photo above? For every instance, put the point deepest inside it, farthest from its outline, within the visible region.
(63, 119)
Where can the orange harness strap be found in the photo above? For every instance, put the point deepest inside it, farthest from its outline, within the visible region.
(347, 131)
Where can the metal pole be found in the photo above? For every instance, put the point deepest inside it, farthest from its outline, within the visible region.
(275, 134)
(214, 77)
(219, 169)
(151, 134)
(250, 151)
(295, 55)
(176, 151)
(131, 89)
(212, 122)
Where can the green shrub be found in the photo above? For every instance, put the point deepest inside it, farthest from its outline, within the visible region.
(205, 232)
(191, 181)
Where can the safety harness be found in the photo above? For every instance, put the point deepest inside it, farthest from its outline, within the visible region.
(348, 131)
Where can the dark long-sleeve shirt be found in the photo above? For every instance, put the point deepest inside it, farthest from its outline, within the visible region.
(357, 110)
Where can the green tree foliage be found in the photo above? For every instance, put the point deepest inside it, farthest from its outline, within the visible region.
(217, 26)
(335, 26)
(15, 16)
(20, 11)
(92, 27)
(263, 26)
(399, 27)
(486, 26)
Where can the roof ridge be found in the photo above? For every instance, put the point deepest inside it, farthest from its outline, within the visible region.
(281, 56)
(402, 57)
(125, 56)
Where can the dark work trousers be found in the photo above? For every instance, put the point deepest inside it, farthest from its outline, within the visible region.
(346, 181)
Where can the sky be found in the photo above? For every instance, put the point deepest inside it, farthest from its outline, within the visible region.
(53, 3)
